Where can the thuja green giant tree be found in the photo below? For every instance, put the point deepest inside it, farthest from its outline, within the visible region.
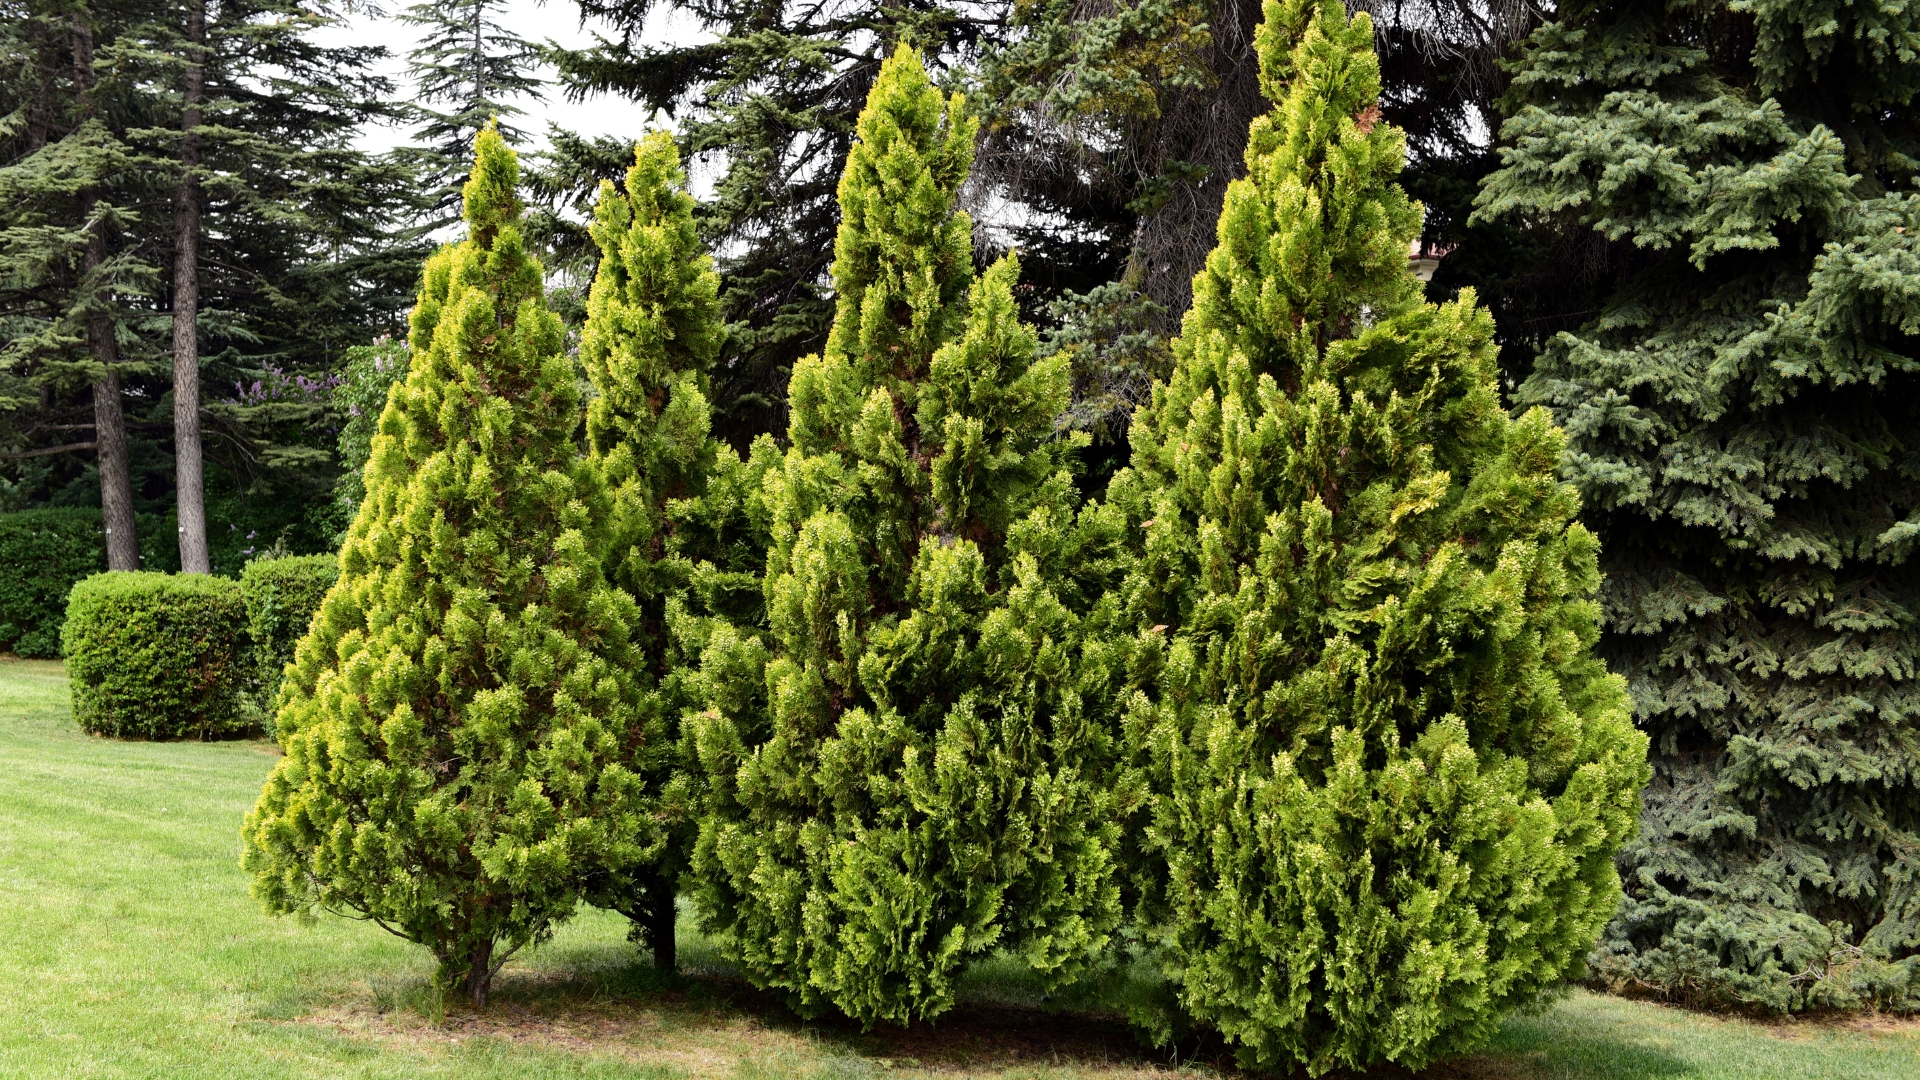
(909, 767)
(1388, 774)
(458, 722)
(1743, 417)
(685, 541)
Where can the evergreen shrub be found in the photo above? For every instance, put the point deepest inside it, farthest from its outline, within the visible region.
(158, 656)
(683, 542)
(283, 592)
(42, 554)
(1388, 774)
(461, 720)
(1743, 416)
(911, 766)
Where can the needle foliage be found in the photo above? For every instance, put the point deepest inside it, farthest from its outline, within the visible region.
(461, 721)
(911, 766)
(685, 539)
(1388, 774)
(1743, 418)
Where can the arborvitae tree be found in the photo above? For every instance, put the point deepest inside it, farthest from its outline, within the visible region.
(459, 721)
(1743, 417)
(1388, 775)
(911, 767)
(682, 540)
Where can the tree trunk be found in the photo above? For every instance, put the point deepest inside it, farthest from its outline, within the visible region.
(110, 437)
(479, 977)
(188, 471)
(659, 928)
(39, 114)
(109, 421)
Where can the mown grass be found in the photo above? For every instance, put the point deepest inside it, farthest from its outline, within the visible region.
(129, 948)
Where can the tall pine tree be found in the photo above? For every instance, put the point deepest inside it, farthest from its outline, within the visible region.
(911, 766)
(1743, 427)
(460, 723)
(73, 280)
(473, 65)
(294, 260)
(1388, 775)
(684, 540)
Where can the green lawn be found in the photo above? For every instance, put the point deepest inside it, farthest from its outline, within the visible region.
(129, 948)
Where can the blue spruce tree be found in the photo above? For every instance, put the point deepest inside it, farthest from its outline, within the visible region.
(1742, 424)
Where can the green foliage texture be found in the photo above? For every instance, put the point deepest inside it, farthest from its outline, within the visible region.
(1743, 419)
(1388, 774)
(367, 374)
(282, 594)
(459, 720)
(911, 766)
(42, 554)
(683, 542)
(158, 656)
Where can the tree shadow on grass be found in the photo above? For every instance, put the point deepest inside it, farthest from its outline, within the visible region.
(709, 1021)
(723, 1014)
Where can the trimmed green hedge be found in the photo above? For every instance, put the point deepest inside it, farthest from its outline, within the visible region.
(282, 593)
(42, 553)
(158, 656)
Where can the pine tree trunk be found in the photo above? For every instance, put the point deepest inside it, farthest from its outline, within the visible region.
(109, 421)
(188, 478)
(39, 116)
(479, 977)
(110, 439)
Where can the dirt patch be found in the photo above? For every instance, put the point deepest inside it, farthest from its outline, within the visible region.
(712, 1027)
(1869, 1023)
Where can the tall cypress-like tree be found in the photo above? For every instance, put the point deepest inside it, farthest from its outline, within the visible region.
(776, 92)
(1744, 416)
(459, 722)
(911, 767)
(684, 543)
(1388, 773)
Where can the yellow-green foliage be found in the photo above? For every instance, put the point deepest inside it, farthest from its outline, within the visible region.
(910, 766)
(682, 540)
(1388, 773)
(459, 722)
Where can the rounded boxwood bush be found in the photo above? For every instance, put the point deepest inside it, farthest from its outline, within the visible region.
(157, 656)
(42, 553)
(282, 593)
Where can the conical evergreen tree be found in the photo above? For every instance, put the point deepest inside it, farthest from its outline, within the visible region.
(1388, 774)
(458, 722)
(1743, 417)
(683, 541)
(910, 767)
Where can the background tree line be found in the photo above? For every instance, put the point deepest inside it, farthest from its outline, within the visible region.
(1693, 225)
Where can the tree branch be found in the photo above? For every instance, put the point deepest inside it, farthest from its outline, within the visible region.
(48, 450)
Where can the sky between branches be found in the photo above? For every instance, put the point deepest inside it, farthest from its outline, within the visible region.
(537, 21)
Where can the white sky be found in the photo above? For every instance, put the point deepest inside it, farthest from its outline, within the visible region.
(555, 20)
